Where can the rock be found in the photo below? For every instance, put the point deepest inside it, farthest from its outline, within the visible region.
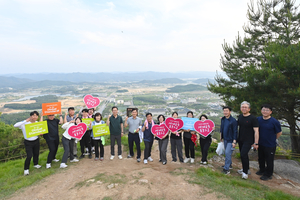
(209, 165)
(276, 176)
(99, 182)
(217, 158)
(143, 181)
(91, 180)
(111, 186)
(291, 184)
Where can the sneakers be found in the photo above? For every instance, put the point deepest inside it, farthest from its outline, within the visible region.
(145, 161)
(55, 160)
(244, 176)
(129, 156)
(265, 178)
(138, 160)
(90, 156)
(150, 159)
(201, 162)
(120, 157)
(204, 163)
(63, 165)
(192, 160)
(37, 166)
(48, 165)
(101, 158)
(260, 173)
(96, 158)
(159, 160)
(186, 160)
(26, 172)
(82, 156)
(74, 160)
(164, 163)
(112, 157)
(240, 171)
(173, 161)
(225, 172)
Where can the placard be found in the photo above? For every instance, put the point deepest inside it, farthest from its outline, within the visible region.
(159, 130)
(77, 131)
(100, 130)
(90, 101)
(51, 108)
(188, 123)
(204, 128)
(174, 124)
(87, 121)
(36, 129)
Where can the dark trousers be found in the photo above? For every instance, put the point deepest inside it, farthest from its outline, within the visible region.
(68, 147)
(205, 144)
(134, 138)
(74, 144)
(147, 151)
(189, 146)
(32, 150)
(113, 139)
(176, 144)
(266, 156)
(86, 142)
(244, 150)
(98, 143)
(53, 146)
(92, 142)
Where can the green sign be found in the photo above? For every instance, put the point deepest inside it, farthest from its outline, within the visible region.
(100, 130)
(87, 121)
(35, 129)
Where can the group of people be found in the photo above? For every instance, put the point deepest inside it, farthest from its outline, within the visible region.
(259, 133)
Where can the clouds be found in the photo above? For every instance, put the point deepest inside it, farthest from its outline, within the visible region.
(133, 35)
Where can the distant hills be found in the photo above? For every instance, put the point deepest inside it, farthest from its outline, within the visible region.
(162, 81)
(186, 88)
(204, 81)
(12, 81)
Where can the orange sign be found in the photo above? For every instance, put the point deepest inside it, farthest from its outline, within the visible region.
(51, 108)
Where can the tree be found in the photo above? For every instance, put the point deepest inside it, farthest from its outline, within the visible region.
(264, 66)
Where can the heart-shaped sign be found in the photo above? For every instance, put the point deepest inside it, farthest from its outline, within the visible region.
(174, 124)
(77, 131)
(90, 101)
(159, 130)
(204, 128)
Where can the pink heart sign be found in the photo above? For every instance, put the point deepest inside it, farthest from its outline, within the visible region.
(90, 101)
(159, 130)
(77, 131)
(204, 128)
(174, 124)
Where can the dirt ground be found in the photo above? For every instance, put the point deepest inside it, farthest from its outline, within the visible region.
(127, 179)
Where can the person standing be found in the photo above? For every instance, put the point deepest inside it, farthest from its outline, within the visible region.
(70, 116)
(91, 115)
(86, 138)
(228, 136)
(32, 144)
(135, 125)
(176, 142)
(115, 123)
(269, 132)
(97, 140)
(52, 137)
(248, 136)
(163, 143)
(205, 143)
(189, 145)
(148, 137)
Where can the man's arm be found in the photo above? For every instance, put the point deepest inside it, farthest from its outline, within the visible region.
(61, 120)
(107, 121)
(278, 135)
(65, 119)
(122, 131)
(256, 137)
(126, 124)
(42, 117)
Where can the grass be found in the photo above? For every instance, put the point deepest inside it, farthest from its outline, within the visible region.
(234, 187)
(117, 178)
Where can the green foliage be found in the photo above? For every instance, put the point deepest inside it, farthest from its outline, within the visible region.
(148, 100)
(31, 106)
(186, 88)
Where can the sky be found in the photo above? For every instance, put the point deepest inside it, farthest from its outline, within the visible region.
(116, 36)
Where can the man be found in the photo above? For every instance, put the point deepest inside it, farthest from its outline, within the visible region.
(134, 124)
(148, 137)
(269, 131)
(229, 136)
(115, 123)
(69, 117)
(248, 136)
(32, 144)
(86, 138)
(52, 137)
(91, 115)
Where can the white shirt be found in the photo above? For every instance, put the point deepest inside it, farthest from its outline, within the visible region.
(21, 125)
(66, 126)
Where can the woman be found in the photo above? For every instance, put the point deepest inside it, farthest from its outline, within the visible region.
(205, 143)
(189, 145)
(162, 143)
(97, 140)
(176, 142)
(66, 141)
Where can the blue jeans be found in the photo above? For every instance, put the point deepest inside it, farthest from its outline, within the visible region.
(228, 153)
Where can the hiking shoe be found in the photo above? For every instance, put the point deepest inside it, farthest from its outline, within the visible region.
(26, 172)
(138, 160)
(192, 160)
(186, 160)
(48, 165)
(55, 160)
(150, 159)
(112, 157)
(145, 161)
(63, 165)
(129, 156)
(37, 166)
(120, 157)
(260, 173)
(244, 176)
(74, 160)
(225, 172)
(265, 178)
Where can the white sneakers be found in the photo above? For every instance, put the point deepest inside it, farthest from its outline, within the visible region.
(150, 159)
(192, 160)
(63, 165)
(26, 172)
(112, 157)
(240, 171)
(204, 163)
(120, 157)
(244, 176)
(145, 161)
(48, 165)
(55, 160)
(186, 160)
(74, 160)
(37, 166)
